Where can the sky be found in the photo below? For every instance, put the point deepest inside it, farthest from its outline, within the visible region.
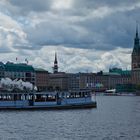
(87, 35)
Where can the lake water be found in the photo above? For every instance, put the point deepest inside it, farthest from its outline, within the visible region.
(116, 118)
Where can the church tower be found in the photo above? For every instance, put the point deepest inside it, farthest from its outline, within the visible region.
(135, 64)
(55, 68)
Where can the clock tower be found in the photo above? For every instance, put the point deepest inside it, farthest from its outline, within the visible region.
(136, 52)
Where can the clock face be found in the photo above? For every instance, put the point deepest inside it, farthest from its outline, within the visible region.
(134, 58)
(134, 65)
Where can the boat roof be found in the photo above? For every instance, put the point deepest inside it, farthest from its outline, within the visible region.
(30, 93)
(44, 93)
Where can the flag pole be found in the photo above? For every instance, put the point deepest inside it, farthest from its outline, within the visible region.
(16, 59)
(26, 60)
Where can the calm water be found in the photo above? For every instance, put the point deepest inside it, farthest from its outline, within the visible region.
(116, 118)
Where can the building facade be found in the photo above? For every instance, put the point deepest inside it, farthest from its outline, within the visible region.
(42, 79)
(100, 81)
(58, 81)
(92, 81)
(76, 81)
(2, 70)
(18, 71)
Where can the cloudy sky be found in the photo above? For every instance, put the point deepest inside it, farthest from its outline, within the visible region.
(88, 35)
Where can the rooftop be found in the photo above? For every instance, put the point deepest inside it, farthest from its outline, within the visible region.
(18, 67)
(40, 70)
(120, 71)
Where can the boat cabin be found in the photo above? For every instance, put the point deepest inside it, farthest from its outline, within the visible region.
(44, 99)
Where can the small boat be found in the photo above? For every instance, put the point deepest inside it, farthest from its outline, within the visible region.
(47, 100)
(110, 92)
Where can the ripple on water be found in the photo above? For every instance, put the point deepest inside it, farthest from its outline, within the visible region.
(116, 118)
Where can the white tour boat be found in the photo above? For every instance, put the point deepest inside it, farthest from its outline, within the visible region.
(47, 100)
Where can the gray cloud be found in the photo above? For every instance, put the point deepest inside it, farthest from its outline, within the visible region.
(26, 6)
(105, 25)
(100, 24)
(94, 3)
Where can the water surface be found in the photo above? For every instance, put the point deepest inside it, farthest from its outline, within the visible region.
(116, 118)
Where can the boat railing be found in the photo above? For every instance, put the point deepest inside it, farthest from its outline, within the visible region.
(45, 96)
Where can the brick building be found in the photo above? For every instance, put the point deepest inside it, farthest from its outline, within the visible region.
(58, 81)
(42, 79)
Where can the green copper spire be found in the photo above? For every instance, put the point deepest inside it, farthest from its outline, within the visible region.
(136, 41)
(136, 52)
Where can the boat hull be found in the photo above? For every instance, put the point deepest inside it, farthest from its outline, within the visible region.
(56, 107)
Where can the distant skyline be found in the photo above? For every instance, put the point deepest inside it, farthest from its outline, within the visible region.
(88, 35)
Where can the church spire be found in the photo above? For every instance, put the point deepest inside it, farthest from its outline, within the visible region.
(55, 61)
(55, 68)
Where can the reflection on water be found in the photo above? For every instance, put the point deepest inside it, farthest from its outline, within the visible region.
(116, 118)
